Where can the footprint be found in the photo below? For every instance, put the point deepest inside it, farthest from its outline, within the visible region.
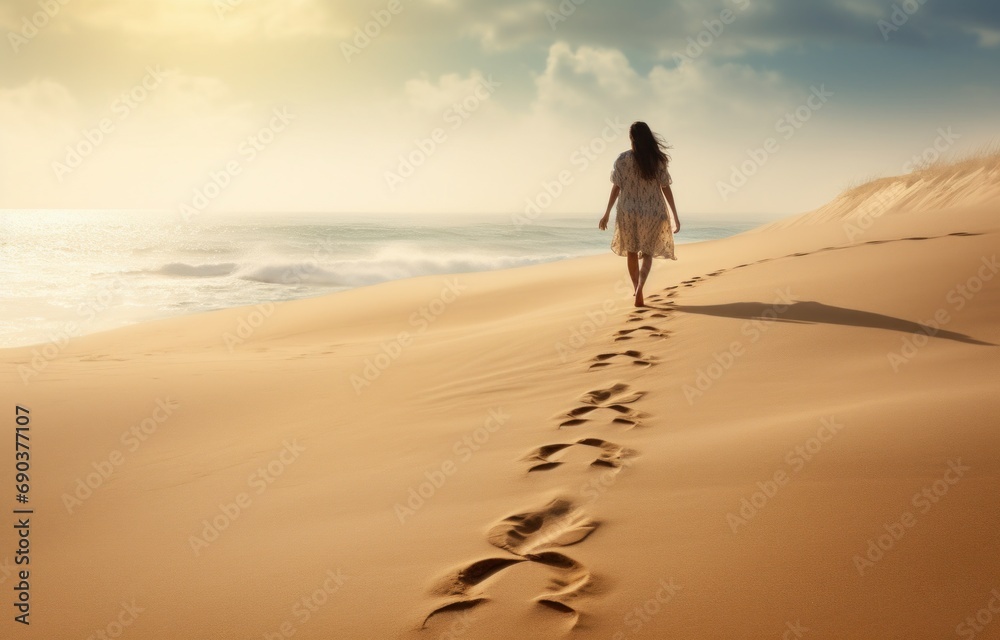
(614, 399)
(572, 581)
(620, 393)
(649, 330)
(637, 358)
(567, 581)
(530, 537)
(610, 454)
(626, 416)
(458, 605)
(472, 575)
(560, 523)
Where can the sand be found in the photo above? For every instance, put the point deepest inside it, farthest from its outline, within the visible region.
(797, 438)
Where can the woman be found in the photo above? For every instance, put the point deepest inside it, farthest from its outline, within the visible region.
(642, 224)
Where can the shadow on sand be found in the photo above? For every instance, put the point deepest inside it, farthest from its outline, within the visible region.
(819, 313)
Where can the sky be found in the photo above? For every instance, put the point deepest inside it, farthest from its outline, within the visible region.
(474, 107)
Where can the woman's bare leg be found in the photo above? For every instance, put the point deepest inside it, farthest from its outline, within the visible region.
(647, 264)
(633, 270)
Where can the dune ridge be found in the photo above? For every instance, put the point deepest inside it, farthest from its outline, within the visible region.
(970, 182)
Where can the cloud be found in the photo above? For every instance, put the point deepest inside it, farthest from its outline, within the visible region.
(988, 38)
(504, 27)
(432, 96)
(596, 81)
(573, 78)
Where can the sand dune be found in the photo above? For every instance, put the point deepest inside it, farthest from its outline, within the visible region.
(975, 181)
(798, 438)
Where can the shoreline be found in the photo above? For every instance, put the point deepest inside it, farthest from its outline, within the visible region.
(94, 308)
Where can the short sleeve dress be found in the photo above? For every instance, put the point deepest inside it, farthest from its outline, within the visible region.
(642, 223)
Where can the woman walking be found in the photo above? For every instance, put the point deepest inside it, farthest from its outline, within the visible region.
(642, 189)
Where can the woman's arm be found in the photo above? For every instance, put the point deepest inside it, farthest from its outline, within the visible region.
(603, 224)
(668, 193)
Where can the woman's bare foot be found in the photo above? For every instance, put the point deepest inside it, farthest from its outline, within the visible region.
(639, 301)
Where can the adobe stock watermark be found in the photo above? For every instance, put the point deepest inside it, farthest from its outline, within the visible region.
(131, 439)
(127, 616)
(87, 312)
(366, 33)
(34, 24)
(698, 44)
(923, 501)
(308, 605)
(957, 299)
(595, 319)
(460, 626)
(224, 7)
(563, 12)
(945, 140)
(462, 450)
(590, 492)
(643, 613)
(421, 320)
(900, 15)
(976, 623)
(723, 361)
(247, 324)
(91, 138)
(7, 570)
(454, 117)
(257, 483)
(795, 460)
(248, 151)
(255, 318)
(786, 127)
(794, 631)
(580, 159)
(872, 211)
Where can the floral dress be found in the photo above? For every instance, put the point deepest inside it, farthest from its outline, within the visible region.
(642, 223)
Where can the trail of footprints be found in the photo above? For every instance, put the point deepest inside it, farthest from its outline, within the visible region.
(958, 234)
(535, 540)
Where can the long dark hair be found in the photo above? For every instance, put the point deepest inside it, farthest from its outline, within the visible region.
(650, 150)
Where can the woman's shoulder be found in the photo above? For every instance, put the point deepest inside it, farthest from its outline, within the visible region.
(624, 157)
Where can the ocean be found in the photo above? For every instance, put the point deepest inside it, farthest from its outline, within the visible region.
(68, 273)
